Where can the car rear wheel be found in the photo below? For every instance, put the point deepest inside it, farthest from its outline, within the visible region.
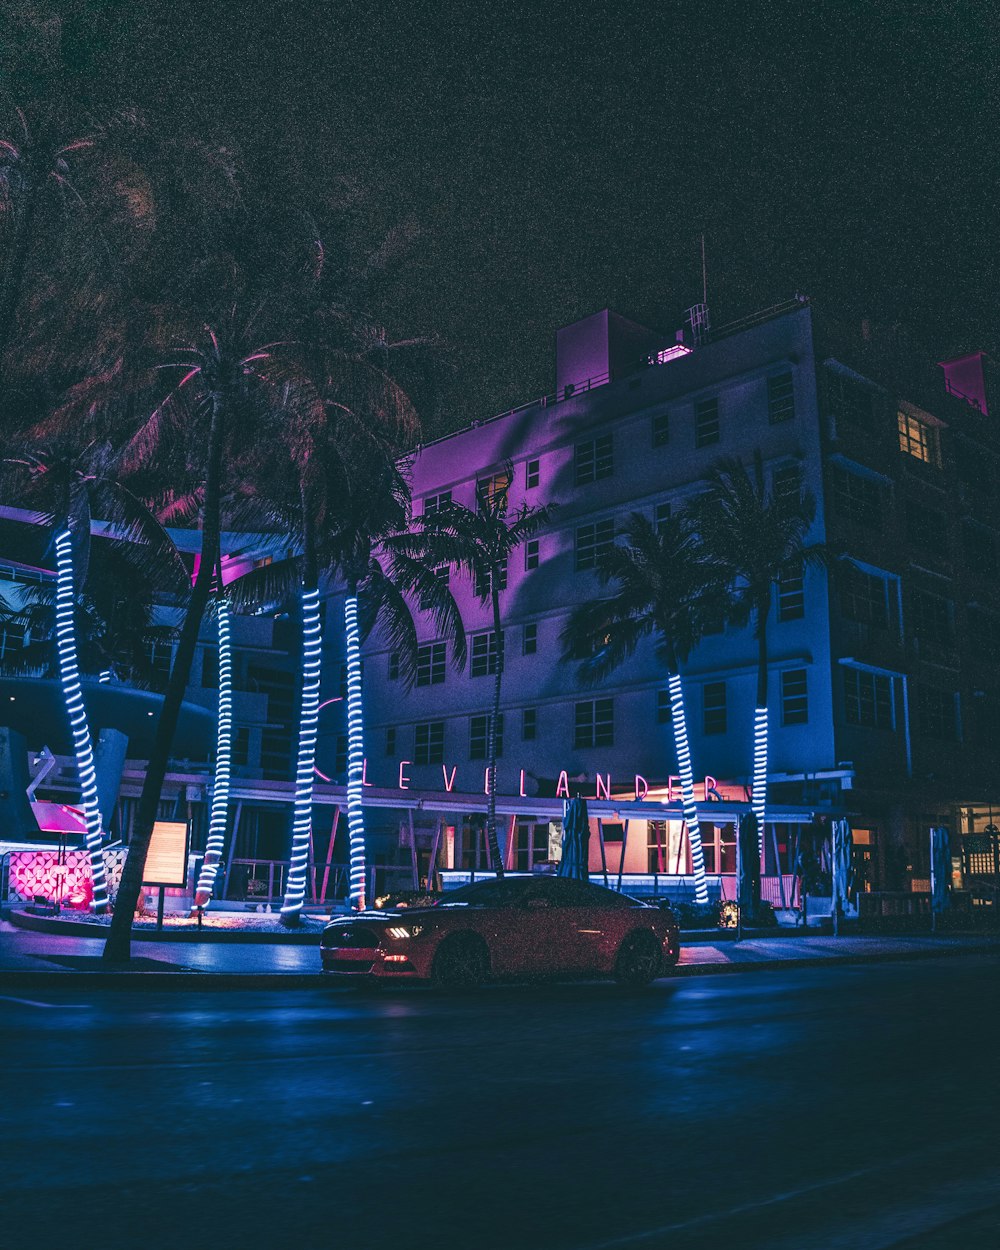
(639, 960)
(462, 962)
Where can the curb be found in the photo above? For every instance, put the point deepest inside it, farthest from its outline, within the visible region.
(120, 978)
(80, 928)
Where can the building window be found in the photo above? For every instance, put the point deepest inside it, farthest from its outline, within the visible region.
(443, 575)
(931, 619)
(664, 710)
(483, 659)
(661, 515)
(706, 422)
(780, 398)
(593, 460)
(714, 707)
(937, 713)
(661, 429)
(918, 439)
(428, 743)
(786, 482)
(926, 528)
(863, 597)
(984, 628)
(529, 724)
(241, 746)
(848, 400)
(592, 540)
(161, 656)
(531, 474)
(209, 668)
(856, 497)
(340, 756)
(493, 490)
(529, 639)
(531, 554)
(980, 550)
(479, 743)
(594, 724)
(791, 593)
(435, 504)
(868, 699)
(393, 669)
(794, 697)
(430, 664)
(483, 581)
(390, 740)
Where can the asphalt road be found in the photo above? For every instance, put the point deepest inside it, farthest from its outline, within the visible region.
(827, 1107)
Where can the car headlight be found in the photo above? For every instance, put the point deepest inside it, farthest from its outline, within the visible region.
(406, 931)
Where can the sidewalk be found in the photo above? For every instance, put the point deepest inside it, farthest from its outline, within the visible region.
(28, 957)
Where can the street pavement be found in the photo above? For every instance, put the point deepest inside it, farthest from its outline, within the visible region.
(23, 951)
(831, 1106)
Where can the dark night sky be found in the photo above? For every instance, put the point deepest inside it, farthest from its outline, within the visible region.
(562, 157)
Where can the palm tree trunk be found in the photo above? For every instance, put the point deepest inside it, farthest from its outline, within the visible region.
(219, 816)
(679, 722)
(759, 794)
(69, 675)
(118, 944)
(312, 646)
(491, 807)
(355, 750)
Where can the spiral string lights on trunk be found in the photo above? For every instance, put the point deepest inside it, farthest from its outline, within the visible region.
(355, 754)
(759, 796)
(219, 813)
(295, 885)
(687, 786)
(69, 675)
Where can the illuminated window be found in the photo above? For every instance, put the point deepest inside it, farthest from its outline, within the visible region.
(428, 743)
(780, 398)
(531, 554)
(435, 504)
(661, 429)
(529, 724)
(868, 699)
(492, 490)
(918, 439)
(483, 656)
(430, 664)
(591, 540)
(791, 594)
(863, 596)
(479, 728)
(593, 460)
(794, 697)
(594, 724)
(531, 474)
(529, 639)
(714, 707)
(706, 422)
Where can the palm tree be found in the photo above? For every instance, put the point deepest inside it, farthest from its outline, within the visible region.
(752, 536)
(222, 777)
(480, 543)
(70, 487)
(208, 423)
(660, 587)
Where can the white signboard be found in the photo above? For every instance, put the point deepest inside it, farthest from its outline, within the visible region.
(166, 859)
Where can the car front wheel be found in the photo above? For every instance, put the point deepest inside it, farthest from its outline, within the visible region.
(638, 960)
(461, 963)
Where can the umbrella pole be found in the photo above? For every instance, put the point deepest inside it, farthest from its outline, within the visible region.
(604, 858)
(621, 862)
(739, 883)
(833, 877)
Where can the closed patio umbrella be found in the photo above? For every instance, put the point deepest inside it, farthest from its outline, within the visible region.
(940, 872)
(576, 841)
(843, 868)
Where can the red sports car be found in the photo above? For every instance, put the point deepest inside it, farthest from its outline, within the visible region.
(519, 927)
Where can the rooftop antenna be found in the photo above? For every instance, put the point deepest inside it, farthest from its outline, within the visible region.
(697, 314)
